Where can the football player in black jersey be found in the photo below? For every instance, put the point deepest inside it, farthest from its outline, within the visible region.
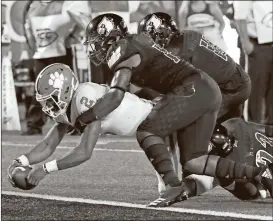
(234, 82)
(243, 142)
(190, 104)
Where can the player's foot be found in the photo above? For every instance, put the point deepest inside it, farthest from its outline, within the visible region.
(170, 196)
(266, 178)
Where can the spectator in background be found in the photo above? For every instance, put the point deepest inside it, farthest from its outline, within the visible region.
(228, 11)
(254, 26)
(205, 17)
(148, 7)
(49, 28)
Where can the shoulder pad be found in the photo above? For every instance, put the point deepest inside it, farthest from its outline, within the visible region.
(119, 52)
(85, 97)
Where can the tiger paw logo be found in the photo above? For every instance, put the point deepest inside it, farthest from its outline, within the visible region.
(45, 37)
(56, 80)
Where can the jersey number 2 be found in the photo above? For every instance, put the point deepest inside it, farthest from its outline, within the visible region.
(86, 102)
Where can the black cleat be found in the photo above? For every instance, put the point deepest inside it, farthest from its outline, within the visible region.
(171, 196)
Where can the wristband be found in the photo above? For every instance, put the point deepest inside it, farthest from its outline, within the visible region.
(45, 169)
(50, 166)
(23, 160)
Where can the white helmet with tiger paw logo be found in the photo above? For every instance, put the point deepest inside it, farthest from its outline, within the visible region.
(54, 88)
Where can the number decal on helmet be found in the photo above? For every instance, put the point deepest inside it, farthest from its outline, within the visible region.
(153, 23)
(105, 26)
(114, 57)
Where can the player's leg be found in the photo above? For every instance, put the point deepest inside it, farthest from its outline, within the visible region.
(175, 110)
(171, 141)
(243, 189)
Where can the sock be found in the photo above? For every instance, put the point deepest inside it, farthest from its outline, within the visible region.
(161, 159)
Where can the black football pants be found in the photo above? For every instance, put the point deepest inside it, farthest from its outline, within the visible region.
(191, 109)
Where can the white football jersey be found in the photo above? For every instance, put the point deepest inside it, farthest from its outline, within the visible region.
(123, 121)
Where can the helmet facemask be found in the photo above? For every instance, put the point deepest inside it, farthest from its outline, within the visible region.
(98, 47)
(97, 53)
(101, 33)
(51, 104)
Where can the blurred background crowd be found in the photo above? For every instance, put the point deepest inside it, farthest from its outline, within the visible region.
(38, 33)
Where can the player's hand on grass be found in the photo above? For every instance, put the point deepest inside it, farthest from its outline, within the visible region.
(36, 175)
(11, 167)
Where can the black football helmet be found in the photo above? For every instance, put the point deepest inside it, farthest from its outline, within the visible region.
(160, 26)
(101, 33)
(221, 143)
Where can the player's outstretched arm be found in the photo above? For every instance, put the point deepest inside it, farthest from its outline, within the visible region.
(77, 156)
(47, 146)
(83, 151)
(42, 150)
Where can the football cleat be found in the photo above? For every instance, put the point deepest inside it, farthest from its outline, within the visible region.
(171, 196)
(266, 178)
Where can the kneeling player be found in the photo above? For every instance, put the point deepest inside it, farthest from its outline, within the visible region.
(242, 142)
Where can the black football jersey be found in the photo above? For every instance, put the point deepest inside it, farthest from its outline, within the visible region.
(204, 55)
(158, 68)
(253, 147)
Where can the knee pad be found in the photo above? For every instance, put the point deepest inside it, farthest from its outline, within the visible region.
(147, 139)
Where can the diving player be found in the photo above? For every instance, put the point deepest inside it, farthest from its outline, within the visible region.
(190, 104)
(64, 100)
(234, 82)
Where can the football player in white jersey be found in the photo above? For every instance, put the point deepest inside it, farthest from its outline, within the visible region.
(64, 99)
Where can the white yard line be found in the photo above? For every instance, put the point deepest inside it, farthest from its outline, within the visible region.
(10, 144)
(140, 206)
